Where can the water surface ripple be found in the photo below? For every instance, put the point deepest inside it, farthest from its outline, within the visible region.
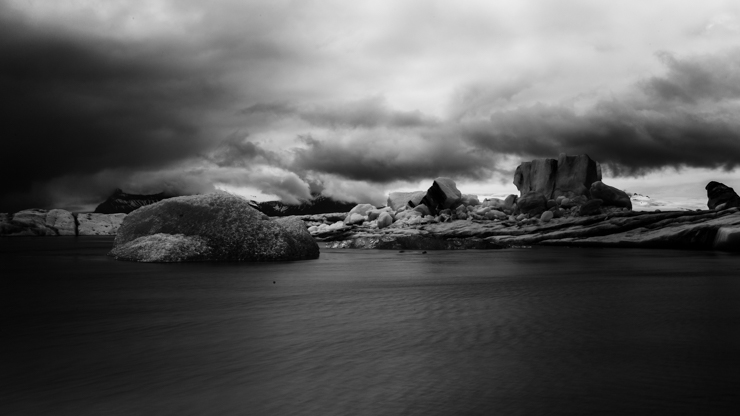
(506, 332)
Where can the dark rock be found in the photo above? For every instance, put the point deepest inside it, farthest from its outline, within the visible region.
(523, 177)
(610, 195)
(551, 203)
(212, 227)
(532, 203)
(573, 202)
(547, 216)
(557, 212)
(121, 202)
(509, 202)
(318, 204)
(568, 176)
(441, 195)
(719, 194)
(591, 207)
(306, 247)
(575, 175)
(536, 176)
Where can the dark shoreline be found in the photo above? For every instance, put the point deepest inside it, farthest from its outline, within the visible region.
(687, 230)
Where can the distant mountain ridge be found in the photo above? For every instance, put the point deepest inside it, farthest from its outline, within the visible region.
(121, 202)
(319, 204)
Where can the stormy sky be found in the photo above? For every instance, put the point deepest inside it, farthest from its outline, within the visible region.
(281, 99)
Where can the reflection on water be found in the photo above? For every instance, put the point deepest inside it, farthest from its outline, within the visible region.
(536, 331)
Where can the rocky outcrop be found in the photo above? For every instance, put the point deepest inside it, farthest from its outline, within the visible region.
(610, 195)
(398, 200)
(547, 216)
(305, 246)
(721, 196)
(575, 175)
(38, 222)
(695, 230)
(537, 176)
(576, 219)
(569, 176)
(212, 227)
(573, 202)
(99, 224)
(122, 202)
(703, 230)
(163, 248)
(591, 207)
(532, 203)
(531, 207)
(443, 194)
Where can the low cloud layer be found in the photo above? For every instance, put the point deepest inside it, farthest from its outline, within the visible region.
(683, 118)
(686, 117)
(77, 105)
(383, 157)
(365, 113)
(291, 98)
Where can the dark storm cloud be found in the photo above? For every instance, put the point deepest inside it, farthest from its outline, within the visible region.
(278, 109)
(74, 105)
(706, 77)
(628, 141)
(685, 118)
(370, 157)
(238, 151)
(368, 113)
(365, 113)
(147, 95)
(479, 98)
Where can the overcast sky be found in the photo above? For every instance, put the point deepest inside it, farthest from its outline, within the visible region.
(278, 99)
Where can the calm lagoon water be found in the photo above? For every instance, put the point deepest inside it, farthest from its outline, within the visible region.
(551, 331)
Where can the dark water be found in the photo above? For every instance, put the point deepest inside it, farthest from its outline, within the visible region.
(521, 332)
